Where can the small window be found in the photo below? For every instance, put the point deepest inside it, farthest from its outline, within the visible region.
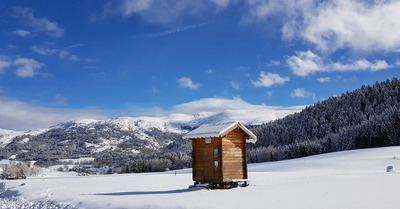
(216, 151)
(208, 140)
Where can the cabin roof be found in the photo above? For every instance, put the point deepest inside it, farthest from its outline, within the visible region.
(218, 130)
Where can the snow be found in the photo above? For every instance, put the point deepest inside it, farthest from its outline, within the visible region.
(173, 122)
(78, 160)
(6, 136)
(218, 130)
(350, 179)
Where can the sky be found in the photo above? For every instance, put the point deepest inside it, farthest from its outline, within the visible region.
(65, 60)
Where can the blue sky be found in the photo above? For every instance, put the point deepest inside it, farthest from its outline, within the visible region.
(62, 60)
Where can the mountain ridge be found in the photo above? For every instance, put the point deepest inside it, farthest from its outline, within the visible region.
(129, 136)
(174, 122)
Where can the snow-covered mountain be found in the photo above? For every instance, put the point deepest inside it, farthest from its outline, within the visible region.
(118, 139)
(6, 136)
(174, 123)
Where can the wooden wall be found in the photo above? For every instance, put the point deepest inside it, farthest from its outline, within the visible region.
(234, 156)
(231, 158)
(204, 168)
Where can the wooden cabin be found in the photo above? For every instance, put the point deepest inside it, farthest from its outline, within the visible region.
(219, 153)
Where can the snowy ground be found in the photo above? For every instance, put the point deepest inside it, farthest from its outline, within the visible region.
(351, 179)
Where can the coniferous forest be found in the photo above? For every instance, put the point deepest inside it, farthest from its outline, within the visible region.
(365, 118)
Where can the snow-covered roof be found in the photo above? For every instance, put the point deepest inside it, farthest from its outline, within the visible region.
(218, 130)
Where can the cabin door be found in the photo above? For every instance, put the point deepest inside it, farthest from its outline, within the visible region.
(209, 159)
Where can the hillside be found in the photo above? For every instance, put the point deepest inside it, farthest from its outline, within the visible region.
(130, 144)
(364, 118)
(346, 180)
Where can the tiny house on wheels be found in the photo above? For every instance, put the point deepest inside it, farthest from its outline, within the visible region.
(219, 154)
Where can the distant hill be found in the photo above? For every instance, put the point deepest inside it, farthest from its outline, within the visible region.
(131, 144)
(365, 118)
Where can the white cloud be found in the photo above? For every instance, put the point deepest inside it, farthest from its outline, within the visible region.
(379, 65)
(74, 58)
(209, 71)
(274, 63)
(298, 93)
(186, 82)
(361, 64)
(366, 26)
(308, 63)
(221, 104)
(235, 85)
(221, 3)
(44, 50)
(22, 33)
(213, 110)
(324, 79)
(25, 15)
(167, 12)
(305, 63)
(301, 93)
(360, 25)
(269, 79)
(26, 67)
(4, 63)
(61, 52)
(211, 105)
(329, 25)
(60, 100)
(22, 116)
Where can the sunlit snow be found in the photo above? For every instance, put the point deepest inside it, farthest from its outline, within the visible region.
(349, 179)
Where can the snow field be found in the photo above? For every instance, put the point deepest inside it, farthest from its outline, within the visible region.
(350, 179)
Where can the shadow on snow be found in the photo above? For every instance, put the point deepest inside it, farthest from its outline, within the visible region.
(178, 191)
(9, 194)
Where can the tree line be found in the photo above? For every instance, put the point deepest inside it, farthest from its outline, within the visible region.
(365, 118)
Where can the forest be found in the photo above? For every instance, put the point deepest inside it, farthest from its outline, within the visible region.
(364, 118)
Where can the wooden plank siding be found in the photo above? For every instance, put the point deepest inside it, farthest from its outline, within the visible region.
(204, 168)
(234, 165)
(231, 157)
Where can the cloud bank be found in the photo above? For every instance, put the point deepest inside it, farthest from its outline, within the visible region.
(223, 104)
(367, 26)
(23, 116)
